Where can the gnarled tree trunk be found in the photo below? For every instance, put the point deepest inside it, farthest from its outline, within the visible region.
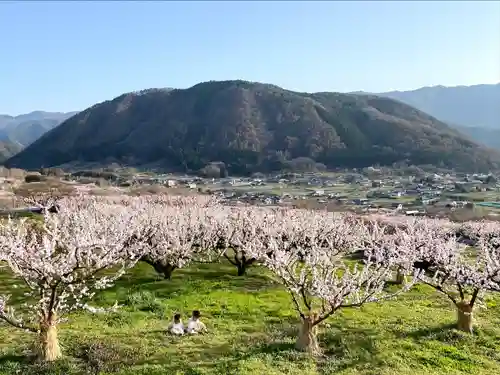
(240, 261)
(307, 340)
(49, 349)
(161, 267)
(167, 270)
(464, 317)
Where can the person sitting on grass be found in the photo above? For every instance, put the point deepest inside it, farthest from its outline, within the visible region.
(176, 327)
(195, 325)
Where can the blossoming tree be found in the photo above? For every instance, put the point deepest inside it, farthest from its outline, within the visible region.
(318, 272)
(184, 229)
(448, 265)
(64, 260)
(242, 228)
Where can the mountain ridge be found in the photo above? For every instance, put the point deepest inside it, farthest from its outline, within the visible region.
(473, 106)
(252, 126)
(473, 110)
(25, 128)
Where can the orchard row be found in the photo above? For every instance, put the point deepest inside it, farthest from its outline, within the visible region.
(327, 261)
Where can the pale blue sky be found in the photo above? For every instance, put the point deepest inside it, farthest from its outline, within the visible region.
(62, 56)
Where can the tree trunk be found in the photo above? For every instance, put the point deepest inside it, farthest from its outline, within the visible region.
(243, 264)
(49, 343)
(400, 277)
(241, 269)
(464, 317)
(307, 340)
(162, 268)
(167, 271)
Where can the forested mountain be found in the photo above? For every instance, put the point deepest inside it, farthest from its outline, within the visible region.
(253, 127)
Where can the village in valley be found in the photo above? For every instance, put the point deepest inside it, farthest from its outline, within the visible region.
(459, 196)
(456, 195)
(432, 195)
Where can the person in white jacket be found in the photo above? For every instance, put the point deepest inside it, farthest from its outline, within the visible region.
(176, 327)
(195, 325)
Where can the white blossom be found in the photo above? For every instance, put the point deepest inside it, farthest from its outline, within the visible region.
(84, 247)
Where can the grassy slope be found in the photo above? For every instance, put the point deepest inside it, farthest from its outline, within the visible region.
(252, 331)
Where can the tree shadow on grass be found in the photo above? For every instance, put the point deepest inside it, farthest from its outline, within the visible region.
(481, 342)
(193, 279)
(342, 347)
(347, 347)
(445, 333)
(187, 357)
(90, 355)
(15, 358)
(26, 364)
(278, 349)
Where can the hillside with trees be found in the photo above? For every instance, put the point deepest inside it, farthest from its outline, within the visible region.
(253, 127)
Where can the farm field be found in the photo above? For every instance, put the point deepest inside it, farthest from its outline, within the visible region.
(477, 196)
(252, 330)
(275, 188)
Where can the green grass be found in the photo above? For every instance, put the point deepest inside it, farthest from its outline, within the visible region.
(252, 328)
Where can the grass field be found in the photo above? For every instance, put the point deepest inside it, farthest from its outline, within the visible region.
(252, 329)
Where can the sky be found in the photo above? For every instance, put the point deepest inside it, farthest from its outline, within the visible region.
(65, 56)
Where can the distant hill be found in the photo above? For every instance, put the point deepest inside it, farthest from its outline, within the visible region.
(252, 127)
(475, 106)
(8, 149)
(473, 110)
(25, 129)
(487, 136)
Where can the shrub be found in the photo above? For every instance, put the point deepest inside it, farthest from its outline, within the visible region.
(145, 301)
(301, 164)
(155, 307)
(210, 171)
(118, 319)
(34, 178)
